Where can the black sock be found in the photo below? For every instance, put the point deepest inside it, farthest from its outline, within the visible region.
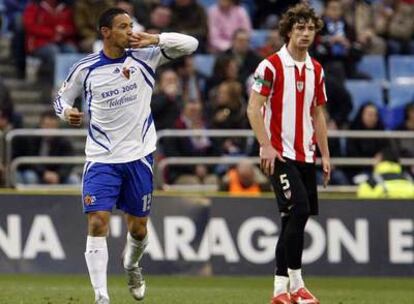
(293, 240)
(280, 252)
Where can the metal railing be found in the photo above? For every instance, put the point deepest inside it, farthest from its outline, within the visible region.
(249, 133)
(345, 161)
(338, 161)
(11, 135)
(27, 160)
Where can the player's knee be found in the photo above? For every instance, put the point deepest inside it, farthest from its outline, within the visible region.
(97, 225)
(139, 232)
(300, 211)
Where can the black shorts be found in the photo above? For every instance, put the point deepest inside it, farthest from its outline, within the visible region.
(294, 184)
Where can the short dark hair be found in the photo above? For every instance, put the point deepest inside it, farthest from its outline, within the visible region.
(297, 14)
(107, 17)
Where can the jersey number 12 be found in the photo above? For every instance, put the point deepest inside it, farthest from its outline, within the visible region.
(146, 202)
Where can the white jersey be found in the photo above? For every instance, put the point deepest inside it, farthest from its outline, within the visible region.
(118, 93)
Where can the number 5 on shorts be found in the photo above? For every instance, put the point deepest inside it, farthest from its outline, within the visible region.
(284, 181)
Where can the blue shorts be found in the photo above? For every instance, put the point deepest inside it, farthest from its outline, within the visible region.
(128, 186)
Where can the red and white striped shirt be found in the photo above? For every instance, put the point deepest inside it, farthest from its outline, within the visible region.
(291, 96)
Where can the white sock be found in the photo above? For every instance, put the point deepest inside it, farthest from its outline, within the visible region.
(96, 257)
(295, 279)
(280, 285)
(134, 250)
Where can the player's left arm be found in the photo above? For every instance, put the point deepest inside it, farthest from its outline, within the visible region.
(322, 140)
(172, 45)
(69, 91)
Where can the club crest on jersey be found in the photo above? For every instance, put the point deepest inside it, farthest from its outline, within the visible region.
(299, 85)
(287, 194)
(126, 72)
(312, 147)
(89, 199)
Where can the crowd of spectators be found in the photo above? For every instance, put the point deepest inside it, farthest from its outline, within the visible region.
(186, 99)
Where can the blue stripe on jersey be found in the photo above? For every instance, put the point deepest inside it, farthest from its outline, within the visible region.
(103, 60)
(147, 80)
(165, 55)
(150, 121)
(100, 131)
(143, 126)
(146, 66)
(84, 83)
(90, 118)
(88, 59)
(58, 105)
(58, 111)
(59, 102)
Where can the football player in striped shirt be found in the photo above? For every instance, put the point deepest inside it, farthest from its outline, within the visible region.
(286, 114)
(116, 84)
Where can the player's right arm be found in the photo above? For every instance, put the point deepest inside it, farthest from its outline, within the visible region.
(69, 91)
(267, 152)
(165, 46)
(260, 92)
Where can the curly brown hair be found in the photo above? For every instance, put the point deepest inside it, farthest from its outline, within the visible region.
(299, 13)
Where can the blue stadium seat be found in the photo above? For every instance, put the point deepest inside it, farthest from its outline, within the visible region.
(249, 5)
(63, 64)
(401, 68)
(204, 64)
(399, 95)
(258, 38)
(363, 91)
(207, 3)
(374, 66)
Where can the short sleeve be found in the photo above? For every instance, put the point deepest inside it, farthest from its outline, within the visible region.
(321, 98)
(263, 78)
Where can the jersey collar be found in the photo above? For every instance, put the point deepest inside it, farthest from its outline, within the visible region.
(288, 60)
(110, 60)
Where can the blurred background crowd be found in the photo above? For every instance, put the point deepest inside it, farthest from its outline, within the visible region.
(366, 48)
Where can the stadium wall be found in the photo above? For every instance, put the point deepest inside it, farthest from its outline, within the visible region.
(211, 235)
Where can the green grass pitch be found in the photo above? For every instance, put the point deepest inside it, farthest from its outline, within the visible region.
(68, 289)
